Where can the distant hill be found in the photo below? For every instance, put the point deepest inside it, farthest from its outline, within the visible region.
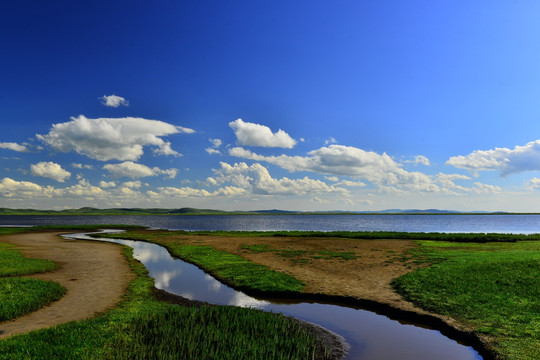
(195, 211)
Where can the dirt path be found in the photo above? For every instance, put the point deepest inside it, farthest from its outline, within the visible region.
(94, 274)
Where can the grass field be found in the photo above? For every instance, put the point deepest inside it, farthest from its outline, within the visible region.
(145, 328)
(493, 288)
(490, 283)
(20, 296)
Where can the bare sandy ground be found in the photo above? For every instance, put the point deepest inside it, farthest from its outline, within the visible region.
(94, 274)
(367, 277)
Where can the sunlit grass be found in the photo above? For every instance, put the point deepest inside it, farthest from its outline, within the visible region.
(19, 296)
(493, 288)
(142, 327)
(235, 270)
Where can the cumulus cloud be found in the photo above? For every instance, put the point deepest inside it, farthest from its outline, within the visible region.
(183, 192)
(480, 188)
(113, 101)
(257, 180)
(111, 138)
(134, 171)
(342, 160)
(10, 188)
(50, 170)
(132, 184)
(216, 143)
(13, 146)
(506, 161)
(532, 184)
(107, 184)
(251, 134)
(420, 159)
(81, 166)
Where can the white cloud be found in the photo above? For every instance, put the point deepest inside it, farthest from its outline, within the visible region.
(113, 101)
(213, 151)
(251, 134)
(81, 166)
(506, 161)
(419, 159)
(50, 170)
(351, 183)
(107, 184)
(349, 161)
(13, 146)
(258, 180)
(111, 138)
(480, 188)
(135, 171)
(330, 141)
(532, 184)
(132, 184)
(215, 142)
(10, 188)
(185, 192)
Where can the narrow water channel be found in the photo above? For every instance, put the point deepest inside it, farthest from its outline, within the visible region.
(371, 336)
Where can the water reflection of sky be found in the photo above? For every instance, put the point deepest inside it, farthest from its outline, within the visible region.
(370, 335)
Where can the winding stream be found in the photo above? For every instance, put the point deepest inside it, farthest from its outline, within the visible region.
(370, 335)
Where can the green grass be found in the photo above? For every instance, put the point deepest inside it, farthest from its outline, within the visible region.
(19, 296)
(301, 255)
(235, 270)
(363, 235)
(12, 263)
(229, 268)
(493, 288)
(142, 327)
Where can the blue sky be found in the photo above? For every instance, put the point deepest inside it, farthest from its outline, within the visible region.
(245, 105)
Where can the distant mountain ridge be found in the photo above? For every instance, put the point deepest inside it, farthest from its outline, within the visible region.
(196, 211)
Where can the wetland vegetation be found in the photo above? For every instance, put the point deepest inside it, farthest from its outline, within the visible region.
(20, 296)
(141, 328)
(489, 283)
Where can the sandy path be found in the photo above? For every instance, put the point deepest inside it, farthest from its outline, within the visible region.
(94, 274)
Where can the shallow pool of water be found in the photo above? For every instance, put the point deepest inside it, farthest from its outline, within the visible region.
(370, 336)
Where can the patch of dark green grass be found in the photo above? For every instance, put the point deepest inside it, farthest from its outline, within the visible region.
(13, 263)
(227, 333)
(19, 296)
(493, 288)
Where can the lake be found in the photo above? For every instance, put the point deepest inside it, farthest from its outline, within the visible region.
(516, 224)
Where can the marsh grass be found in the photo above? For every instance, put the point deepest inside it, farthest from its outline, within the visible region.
(144, 328)
(493, 288)
(301, 256)
(19, 296)
(235, 270)
(13, 263)
(374, 235)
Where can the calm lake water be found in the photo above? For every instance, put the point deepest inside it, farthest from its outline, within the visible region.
(522, 224)
(371, 336)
